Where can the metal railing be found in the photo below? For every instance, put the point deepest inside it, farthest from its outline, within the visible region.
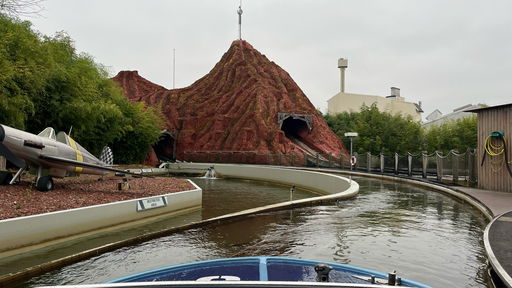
(454, 167)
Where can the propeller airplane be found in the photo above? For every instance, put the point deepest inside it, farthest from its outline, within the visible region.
(50, 155)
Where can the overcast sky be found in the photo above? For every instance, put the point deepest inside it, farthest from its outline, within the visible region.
(443, 53)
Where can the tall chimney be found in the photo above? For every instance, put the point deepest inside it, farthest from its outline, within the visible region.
(395, 92)
(342, 64)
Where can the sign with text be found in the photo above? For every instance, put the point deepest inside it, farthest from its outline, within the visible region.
(151, 203)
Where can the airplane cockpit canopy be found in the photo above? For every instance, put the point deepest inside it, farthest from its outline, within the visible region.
(48, 132)
(64, 138)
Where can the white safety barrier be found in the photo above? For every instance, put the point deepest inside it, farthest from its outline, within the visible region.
(28, 230)
(330, 186)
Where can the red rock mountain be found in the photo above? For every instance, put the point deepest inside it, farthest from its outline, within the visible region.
(245, 103)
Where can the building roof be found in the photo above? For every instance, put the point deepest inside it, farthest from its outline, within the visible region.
(476, 110)
(437, 118)
(434, 115)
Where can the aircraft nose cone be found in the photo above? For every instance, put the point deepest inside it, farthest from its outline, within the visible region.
(2, 133)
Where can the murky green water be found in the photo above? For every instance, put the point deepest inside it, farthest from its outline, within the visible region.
(424, 235)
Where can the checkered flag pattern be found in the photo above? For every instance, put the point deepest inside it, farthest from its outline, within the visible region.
(107, 156)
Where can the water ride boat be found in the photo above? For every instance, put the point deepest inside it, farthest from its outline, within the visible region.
(274, 272)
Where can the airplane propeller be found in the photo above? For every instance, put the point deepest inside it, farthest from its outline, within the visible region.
(8, 154)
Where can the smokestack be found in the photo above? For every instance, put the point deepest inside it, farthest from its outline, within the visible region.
(342, 64)
(395, 92)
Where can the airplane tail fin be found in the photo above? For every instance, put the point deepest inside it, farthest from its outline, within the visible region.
(107, 156)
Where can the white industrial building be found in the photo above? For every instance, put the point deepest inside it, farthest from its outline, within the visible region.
(436, 118)
(350, 102)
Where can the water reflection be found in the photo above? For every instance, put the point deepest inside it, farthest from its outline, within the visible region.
(423, 235)
(220, 196)
(223, 196)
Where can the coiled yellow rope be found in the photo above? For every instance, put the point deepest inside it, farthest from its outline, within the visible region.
(497, 154)
(494, 150)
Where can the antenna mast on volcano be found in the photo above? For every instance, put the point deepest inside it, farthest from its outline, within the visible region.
(173, 68)
(240, 20)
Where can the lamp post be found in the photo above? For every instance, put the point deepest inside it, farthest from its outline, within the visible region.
(351, 135)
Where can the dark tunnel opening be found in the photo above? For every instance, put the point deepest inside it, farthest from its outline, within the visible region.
(295, 128)
(164, 148)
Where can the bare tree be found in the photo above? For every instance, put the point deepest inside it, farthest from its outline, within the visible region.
(21, 7)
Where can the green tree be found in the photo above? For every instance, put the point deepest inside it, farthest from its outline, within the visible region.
(386, 133)
(45, 82)
(459, 134)
(140, 132)
(378, 131)
(23, 71)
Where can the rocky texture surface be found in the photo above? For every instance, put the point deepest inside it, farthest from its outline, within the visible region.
(235, 108)
(74, 192)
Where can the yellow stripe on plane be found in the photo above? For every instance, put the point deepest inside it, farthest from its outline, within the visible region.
(79, 156)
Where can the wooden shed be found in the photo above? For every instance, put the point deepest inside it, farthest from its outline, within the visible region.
(494, 149)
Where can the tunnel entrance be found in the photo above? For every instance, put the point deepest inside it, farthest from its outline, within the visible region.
(165, 148)
(296, 127)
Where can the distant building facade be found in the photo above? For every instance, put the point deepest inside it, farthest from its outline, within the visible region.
(350, 102)
(436, 118)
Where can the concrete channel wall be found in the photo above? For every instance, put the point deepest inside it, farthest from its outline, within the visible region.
(28, 230)
(330, 186)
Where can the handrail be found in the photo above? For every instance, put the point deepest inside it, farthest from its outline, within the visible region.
(452, 166)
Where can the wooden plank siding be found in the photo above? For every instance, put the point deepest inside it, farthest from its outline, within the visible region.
(493, 174)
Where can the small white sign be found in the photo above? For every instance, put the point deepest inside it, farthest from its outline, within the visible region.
(351, 134)
(151, 203)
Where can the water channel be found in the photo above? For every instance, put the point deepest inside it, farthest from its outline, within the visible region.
(423, 235)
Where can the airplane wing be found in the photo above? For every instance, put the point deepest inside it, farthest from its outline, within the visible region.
(89, 165)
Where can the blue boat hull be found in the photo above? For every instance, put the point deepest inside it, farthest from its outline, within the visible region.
(261, 269)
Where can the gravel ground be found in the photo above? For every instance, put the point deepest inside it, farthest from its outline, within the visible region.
(24, 199)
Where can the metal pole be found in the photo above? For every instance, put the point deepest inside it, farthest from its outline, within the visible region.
(351, 153)
(342, 81)
(351, 136)
(240, 21)
(173, 68)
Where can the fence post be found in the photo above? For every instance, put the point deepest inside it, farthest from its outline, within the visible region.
(455, 166)
(317, 159)
(381, 162)
(439, 168)
(292, 159)
(330, 160)
(305, 159)
(424, 159)
(472, 166)
(409, 164)
(396, 163)
(341, 160)
(368, 161)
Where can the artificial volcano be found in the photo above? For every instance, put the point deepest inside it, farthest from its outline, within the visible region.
(246, 103)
